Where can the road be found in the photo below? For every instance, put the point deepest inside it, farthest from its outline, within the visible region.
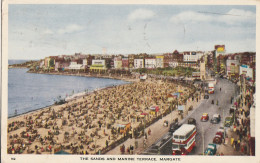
(228, 90)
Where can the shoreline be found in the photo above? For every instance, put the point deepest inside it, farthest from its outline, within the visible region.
(53, 105)
(86, 75)
(75, 98)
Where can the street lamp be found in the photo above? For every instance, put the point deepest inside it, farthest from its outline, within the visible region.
(224, 126)
(203, 140)
(95, 143)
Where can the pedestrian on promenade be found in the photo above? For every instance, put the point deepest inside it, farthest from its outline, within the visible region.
(235, 144)
(144, 144)
(106, 143)
(149, 131)
(130, 134)
(122, 149)
(131, 149)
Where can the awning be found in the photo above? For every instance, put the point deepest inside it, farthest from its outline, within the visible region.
(61, 152)
(181, 107)
(155, 108)
(120, 125)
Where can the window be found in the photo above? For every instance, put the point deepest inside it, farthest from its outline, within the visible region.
(174, 146)
(182, 145)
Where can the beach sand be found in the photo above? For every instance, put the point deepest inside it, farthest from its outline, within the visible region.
(92, 123)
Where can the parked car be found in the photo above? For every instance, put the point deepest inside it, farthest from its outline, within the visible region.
(218, 138)
(211, 149)
(192, 121)
(228, 121)
(222, 130)
(204, 117)
(174, 126)
(215, 119)
(206, 96)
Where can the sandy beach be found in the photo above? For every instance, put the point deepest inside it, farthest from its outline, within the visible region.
(96, 122)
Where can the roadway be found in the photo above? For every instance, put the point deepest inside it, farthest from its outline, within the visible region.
(228, 90)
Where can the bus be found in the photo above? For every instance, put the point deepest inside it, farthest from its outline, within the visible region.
(183, 139)
(211, 88)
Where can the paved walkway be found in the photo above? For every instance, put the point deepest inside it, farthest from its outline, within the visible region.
(229, 148)
(157, 131)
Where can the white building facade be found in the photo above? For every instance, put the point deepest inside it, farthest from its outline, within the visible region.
(138, 63)
(150, 63)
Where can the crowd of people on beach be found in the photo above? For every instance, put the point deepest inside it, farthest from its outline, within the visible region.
(93, 122)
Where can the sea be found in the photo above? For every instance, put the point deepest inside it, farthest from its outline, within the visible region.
(30, 91)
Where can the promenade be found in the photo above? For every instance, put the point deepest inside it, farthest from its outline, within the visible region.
(157, 131)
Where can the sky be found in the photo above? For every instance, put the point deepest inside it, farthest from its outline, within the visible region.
(38, 31)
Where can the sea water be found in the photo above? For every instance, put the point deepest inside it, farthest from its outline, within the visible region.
(30, 91)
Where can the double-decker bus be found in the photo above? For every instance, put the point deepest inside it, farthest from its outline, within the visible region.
(183, 139)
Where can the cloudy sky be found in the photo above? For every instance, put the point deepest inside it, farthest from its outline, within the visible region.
(37, 31)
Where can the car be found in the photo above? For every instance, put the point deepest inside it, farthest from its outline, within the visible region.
(192, 121)
(222, 130)
(218, 138)
(211, 149)
(174, 126)
(204, 117)
(228, 121)
(215, 119)
(206, 97)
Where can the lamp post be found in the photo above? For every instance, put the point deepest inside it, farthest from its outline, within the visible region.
(95, 144)
(171, 110)
(224, 126)
(203, 140)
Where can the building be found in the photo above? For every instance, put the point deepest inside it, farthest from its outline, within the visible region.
(159, 61)
(131, 59)
(99, 64)
(248, 58)
(89, 60)
(221, 64)
(246, 71)
(125, 63)
(219, 50)
(85, 62)
(118, 62)
(150, 63)
(233, 64)
(138, 63)
(202, 70)
(75, 66)
(173, 64)
(168, 57)
(210, 59)
(190, 58)
(49, 62)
